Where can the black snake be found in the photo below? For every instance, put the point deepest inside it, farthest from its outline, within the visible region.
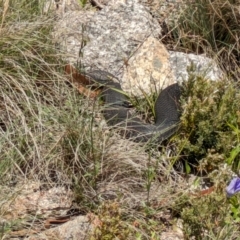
(116, 110)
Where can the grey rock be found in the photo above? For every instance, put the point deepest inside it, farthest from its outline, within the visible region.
(115, 33)
(77, 228)
(121, 39)
(204, 66)
(68, 34)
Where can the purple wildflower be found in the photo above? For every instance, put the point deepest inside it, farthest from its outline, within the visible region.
(233, 187)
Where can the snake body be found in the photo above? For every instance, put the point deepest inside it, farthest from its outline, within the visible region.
(116, 110)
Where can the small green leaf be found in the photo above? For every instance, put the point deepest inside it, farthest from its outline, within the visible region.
(187, 167)
(233, 154)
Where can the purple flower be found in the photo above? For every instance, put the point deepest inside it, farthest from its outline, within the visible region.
(233, 187)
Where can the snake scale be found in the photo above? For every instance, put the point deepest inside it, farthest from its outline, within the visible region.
(116, 110)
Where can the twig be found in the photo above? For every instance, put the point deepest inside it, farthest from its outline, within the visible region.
(97, 4)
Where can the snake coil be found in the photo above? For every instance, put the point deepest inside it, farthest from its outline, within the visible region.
(116, 110)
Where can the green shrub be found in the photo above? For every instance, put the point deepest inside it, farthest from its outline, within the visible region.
(206, 216)
(209, 122)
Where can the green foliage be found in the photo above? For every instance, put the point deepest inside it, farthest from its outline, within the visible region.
(209, 110)
(145, 106)
(150, 176)
(234, 202)
(83, 2)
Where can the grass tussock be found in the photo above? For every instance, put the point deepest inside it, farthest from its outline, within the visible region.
(211, 27)
(51, 134)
